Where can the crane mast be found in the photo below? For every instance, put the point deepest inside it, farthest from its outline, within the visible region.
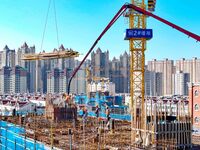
(137, 65)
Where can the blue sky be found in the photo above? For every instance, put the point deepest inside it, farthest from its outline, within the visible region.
(81, 21)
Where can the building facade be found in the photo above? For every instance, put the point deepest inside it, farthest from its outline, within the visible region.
(100, 63)
(7, 57)
(194, 101)
(164, 67)
(5, 80)
(125, 72)
(180, 83)
(13, 80)
(30, 67)
(115, 75)
(56, 81)
(79, 81)
(190, 66)
(119, 70)
(18, 78)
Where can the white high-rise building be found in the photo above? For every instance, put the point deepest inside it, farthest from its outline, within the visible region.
(100, 63)
(191, 66)
(30, 66)
(78, 84)
(5, 80)
(13, 80)
(7, 57)
(18, 78)
(153, 83)
(150, 83)
(56, 81)
(165, 67)
(180, 83)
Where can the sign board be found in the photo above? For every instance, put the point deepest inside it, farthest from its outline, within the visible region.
(138, 33)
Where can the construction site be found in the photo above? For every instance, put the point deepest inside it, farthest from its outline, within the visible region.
(148, 123)
(166, 126)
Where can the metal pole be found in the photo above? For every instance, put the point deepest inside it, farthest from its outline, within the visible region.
(25, 133)
(15, 145)
(70, 139)
(6, 137)
(0, 138)
(35, 131)
(98, 138)
(84, 133)
(52, 134)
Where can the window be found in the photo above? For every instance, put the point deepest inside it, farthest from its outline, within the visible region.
(196, 107)
(196, 120)
(196, 93)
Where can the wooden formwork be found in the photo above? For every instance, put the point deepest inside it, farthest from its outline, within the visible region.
(173, 135)
(168, 123)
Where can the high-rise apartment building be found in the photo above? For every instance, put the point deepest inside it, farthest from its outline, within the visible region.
(18, 78)
(125, 72)
(56, 81)
(115, 75)
(180, 83)
(79, 82)
(7, 57)
(65, 62)
(191, 66)
(30, 66)
(165, 67)
(5, 80)
(13, 80)
(100, 63)
(150, 83)
(119, 73)
(153, 83)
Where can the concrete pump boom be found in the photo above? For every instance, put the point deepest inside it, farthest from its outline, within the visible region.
(118, 14)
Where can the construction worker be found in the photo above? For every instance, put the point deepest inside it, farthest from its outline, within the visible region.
(85, 113)
(97, 111)
(108, 117)
(68, 100)
(107, 112)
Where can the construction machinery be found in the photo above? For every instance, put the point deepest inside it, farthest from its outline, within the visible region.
(137, 34)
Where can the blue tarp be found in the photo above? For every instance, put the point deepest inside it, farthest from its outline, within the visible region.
(113, 116)
(11, 138)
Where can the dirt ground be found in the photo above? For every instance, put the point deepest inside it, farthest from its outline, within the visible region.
(90, 135)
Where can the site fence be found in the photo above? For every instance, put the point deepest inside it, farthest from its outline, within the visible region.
(12, 138)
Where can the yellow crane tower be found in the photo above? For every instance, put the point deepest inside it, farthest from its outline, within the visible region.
(137, 46)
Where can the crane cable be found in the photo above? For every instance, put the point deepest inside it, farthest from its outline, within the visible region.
(56, 23)
(45, 25)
